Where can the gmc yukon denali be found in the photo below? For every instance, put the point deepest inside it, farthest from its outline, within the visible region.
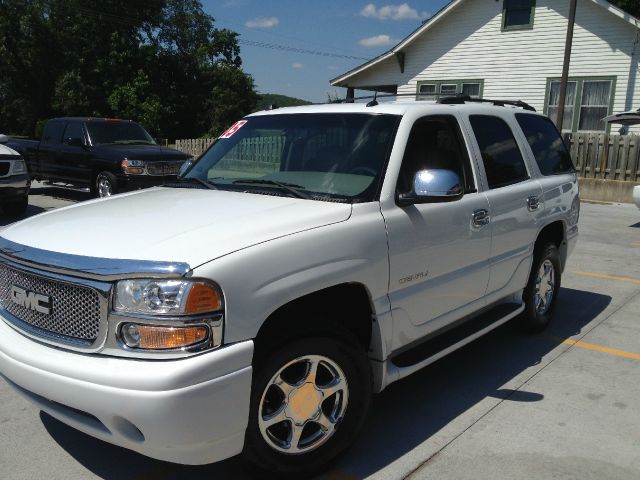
(105, 154)
(308, 259)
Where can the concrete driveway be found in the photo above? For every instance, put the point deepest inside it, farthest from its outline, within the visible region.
(564, 404)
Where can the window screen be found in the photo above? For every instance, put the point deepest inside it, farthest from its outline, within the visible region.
(518, 13)
(546, 144)
(501, 156)
(594, 105)
(570, 100)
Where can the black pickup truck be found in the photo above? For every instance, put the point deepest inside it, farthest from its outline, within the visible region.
(107, 155)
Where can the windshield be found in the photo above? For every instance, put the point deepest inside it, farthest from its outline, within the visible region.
(127, 133)
(337, 157)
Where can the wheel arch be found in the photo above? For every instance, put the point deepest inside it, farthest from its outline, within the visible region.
(556, 233)
(342, 309)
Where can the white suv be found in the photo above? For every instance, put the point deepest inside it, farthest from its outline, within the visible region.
(311, 257)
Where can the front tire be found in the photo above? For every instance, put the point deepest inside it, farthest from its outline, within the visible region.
(309, 399)
(104, 185)
(541, 293)
(16, 208)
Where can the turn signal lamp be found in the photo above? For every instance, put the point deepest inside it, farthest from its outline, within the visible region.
(151, 337)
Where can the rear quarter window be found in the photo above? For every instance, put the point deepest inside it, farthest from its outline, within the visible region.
(547, 146)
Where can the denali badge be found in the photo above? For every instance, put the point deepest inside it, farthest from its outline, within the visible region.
(31, 300)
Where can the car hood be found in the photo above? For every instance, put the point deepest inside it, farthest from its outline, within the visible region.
(139, 152)
(172, 224)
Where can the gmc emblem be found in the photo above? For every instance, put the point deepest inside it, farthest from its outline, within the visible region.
(31, 300)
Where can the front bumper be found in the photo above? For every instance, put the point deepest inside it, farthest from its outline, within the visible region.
(191, 411)
(14, 187)
(136, 182)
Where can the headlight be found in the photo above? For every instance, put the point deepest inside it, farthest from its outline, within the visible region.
(167, 297)
(134, 167)
(19, 167)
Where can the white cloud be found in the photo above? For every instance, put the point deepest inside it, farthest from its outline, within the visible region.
(392, 12)
(262, 22)
(297, 66)
(378, 41)
(333, 67)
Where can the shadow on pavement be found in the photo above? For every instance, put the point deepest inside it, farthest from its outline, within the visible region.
(402, 417)
(31, 211)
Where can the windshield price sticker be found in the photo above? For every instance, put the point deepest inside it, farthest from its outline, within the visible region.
(234, 128)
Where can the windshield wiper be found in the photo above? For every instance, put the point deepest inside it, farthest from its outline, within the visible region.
(291, 188)
(208, 184)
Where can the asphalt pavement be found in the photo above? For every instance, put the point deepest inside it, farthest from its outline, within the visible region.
(564, 404)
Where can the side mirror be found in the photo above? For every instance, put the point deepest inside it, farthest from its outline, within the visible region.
(433, 186)
(3, 138)
(75, 142)
(184, 168)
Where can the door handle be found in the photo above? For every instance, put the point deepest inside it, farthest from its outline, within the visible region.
(533, 202)
(481, 218)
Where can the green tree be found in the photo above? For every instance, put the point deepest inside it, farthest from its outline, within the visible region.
(155, 61)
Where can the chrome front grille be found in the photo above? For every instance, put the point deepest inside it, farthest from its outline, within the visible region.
(75, 309)
(170, 167)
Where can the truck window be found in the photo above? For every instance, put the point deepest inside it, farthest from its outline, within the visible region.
(503, 161)
(434, 143)
(547, 146)
(52, 133)
(122, 132)
(332, 154)
(73, 130)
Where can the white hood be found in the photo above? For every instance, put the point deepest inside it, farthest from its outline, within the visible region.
(172, 224)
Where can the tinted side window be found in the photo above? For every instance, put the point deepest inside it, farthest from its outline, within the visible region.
(546, 144)
(435, 142)
(73, 130)
(53, 131)
(501, 156)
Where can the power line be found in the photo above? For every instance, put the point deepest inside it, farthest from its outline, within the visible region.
(286, 48)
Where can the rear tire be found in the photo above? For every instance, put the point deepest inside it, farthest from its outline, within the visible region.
(309, 399)
(541, 293)
(104, 185)
(16, 208)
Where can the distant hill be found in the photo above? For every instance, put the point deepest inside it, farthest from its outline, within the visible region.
(267, 99)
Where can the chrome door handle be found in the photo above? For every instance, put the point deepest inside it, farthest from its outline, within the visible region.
(481, 218)
(533, 202)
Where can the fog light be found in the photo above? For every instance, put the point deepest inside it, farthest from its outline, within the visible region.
(131, 335)
(151, 337)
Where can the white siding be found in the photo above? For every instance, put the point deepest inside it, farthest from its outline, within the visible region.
(469, 44)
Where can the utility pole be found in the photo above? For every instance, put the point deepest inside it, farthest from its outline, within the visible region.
(565, 67)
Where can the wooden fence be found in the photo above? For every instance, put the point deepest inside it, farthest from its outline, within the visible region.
(596, 155)
(607, 157)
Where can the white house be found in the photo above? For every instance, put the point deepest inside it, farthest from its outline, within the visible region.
(514, 49)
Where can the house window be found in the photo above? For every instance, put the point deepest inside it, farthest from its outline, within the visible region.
(518, 14)
(588, 100)
(432, 89)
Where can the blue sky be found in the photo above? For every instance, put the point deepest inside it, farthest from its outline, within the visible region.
(351, 28)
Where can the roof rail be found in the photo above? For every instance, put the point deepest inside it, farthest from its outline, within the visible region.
(460, 99)
(445, 100)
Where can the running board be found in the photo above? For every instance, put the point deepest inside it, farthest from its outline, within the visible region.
(434, 349)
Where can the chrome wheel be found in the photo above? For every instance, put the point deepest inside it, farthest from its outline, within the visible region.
(303, 404)
(105, 189)
(545, 285)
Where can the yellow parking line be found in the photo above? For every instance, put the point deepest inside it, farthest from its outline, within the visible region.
(597, 348)
(608, 277)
